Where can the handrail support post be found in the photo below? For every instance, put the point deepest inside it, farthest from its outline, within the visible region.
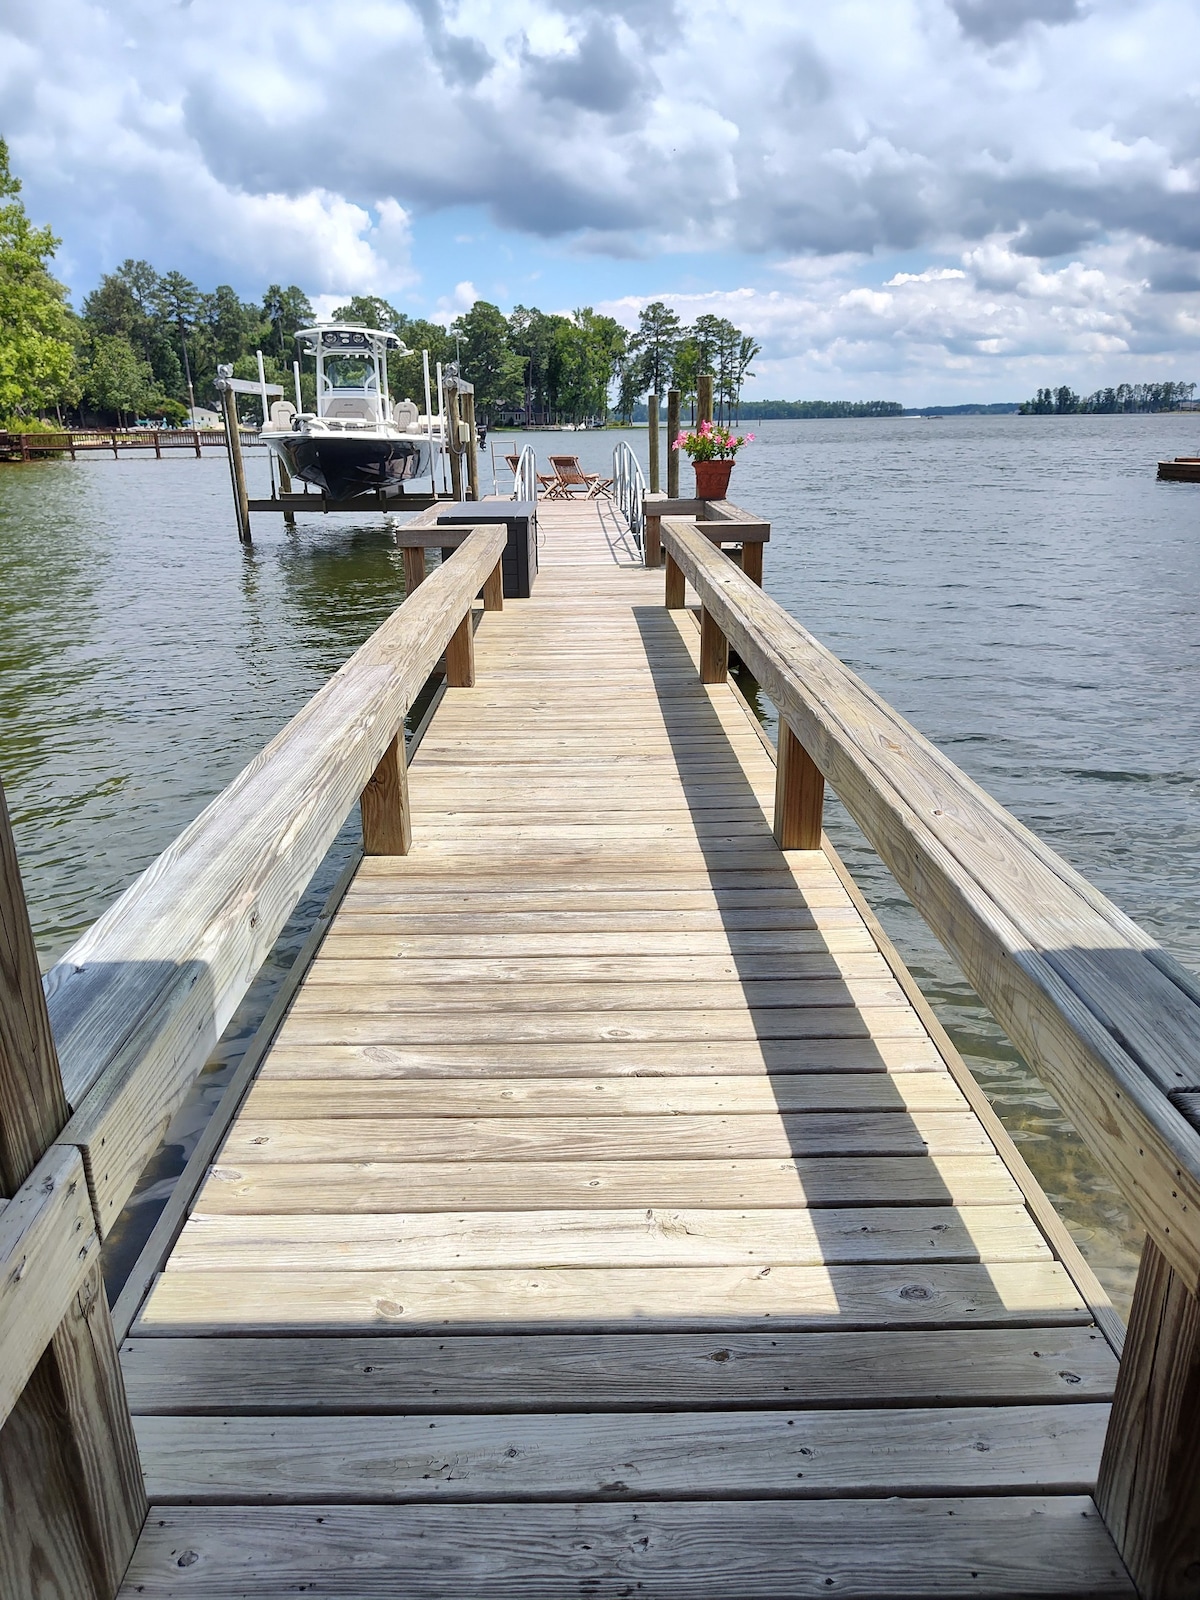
(1148, 1491)
(714, 649)
(493, 589)
(460, 656)
(799, 795)
(414, 567)
(384, 804)
(652, 545)
(676, 585)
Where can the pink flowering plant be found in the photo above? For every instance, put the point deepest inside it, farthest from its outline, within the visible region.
(709, 443)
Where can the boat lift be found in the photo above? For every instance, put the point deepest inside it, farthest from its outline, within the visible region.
(456, 405)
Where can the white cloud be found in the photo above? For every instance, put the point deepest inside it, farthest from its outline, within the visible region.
(975, 146)
(997, 325)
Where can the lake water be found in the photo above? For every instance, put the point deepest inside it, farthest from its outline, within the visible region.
(1020, 588)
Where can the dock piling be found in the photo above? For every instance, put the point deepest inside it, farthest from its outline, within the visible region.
(237, 471)
(704, 397)
(652, 433)
(672, 435)
(468, 416)
(452, 439)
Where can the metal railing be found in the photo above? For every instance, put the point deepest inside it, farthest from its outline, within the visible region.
(629, 487)
(525, 484)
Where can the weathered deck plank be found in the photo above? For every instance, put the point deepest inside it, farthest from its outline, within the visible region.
(623, 1372)
(1002, 1548)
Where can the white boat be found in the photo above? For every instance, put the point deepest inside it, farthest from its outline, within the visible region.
(358, 439)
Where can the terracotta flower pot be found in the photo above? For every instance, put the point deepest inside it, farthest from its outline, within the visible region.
(712, 479)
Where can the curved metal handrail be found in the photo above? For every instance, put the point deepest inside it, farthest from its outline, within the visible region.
(629, 488)
(525, 483)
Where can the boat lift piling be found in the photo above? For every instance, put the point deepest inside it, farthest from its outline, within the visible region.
(233, 445)
(460, 435)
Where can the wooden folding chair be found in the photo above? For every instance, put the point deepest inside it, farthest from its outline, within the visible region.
(571, 476)
(547, 481)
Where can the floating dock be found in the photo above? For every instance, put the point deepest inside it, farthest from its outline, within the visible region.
(606, 1213)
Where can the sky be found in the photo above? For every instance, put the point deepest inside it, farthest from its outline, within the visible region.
(935, 201)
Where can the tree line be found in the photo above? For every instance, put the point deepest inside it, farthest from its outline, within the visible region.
(1125, 397)
(754, 410)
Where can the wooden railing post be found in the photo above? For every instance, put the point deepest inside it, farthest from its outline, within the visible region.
(799, 794)
(386, 815)
(714, 650)
(652, 435)
(493, 589)
(672, 435)
(652, 539)
(676, 584)
(460, 656)
(72, 1500)
(414, 567)
(1149, 1485)
(752, 561)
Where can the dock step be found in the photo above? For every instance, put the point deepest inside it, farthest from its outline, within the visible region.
(1004, 1548)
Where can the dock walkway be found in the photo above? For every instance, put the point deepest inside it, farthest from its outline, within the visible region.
(608, 1217)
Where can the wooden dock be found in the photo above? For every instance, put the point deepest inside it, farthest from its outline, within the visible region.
(602, 1179)
(609, 1214)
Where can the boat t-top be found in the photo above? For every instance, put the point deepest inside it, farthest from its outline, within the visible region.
(358, 438)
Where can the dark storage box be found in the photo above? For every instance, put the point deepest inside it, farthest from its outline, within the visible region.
(519, 561)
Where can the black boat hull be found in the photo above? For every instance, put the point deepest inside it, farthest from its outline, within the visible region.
(345, 466)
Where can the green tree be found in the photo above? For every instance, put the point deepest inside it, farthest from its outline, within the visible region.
(406, 375)
(178, 303)
(130, 304)
(744, 353)
(538, 340)
(36, 354)
(286, 310)
(592, 348)
(686, 366)
(116, 379)
(1065, 400)
(658, 332)
(628, 390)
(487, 361)
(124, 303)
(369, 311)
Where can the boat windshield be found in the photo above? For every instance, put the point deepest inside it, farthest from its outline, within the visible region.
(350, 374)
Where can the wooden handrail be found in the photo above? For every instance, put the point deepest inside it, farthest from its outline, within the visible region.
(138, 1002)
(1100, 1011)
(1105, 1017)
